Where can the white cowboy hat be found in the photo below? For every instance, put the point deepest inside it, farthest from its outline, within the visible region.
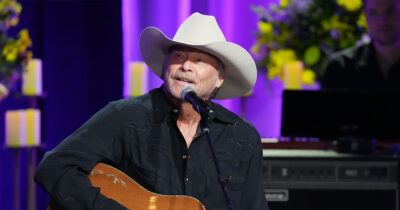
(202, 32)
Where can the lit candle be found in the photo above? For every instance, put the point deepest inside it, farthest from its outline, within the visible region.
(292, 75)
(138, 79)
(32, 78)
(32, 118)
(15, 121)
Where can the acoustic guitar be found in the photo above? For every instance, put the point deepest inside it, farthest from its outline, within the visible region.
(120, 187)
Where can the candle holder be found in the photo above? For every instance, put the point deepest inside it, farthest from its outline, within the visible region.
(23, 130)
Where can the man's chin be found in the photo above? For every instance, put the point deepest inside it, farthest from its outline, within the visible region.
(173, 95)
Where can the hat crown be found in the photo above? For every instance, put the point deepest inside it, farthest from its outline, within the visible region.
(199, 29)
(203, 33)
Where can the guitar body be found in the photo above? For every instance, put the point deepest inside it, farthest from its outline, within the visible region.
(118, 186)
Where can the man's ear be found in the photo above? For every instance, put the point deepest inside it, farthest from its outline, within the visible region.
(220, 80)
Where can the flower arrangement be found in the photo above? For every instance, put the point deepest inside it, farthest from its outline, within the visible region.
(306, 30)
(14, 53)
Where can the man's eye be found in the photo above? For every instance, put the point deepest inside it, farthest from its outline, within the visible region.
(177, 54)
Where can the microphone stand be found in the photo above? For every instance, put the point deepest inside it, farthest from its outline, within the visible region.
(206, 130)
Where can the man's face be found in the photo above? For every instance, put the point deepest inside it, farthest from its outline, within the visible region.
(188, 66)
(383, 18)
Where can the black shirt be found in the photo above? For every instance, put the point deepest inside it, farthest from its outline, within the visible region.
(357, 68)
(140, 137)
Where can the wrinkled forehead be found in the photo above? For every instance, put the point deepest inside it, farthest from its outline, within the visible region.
(190, 49)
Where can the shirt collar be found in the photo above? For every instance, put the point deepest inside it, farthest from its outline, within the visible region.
(222, 114)
(163, 106)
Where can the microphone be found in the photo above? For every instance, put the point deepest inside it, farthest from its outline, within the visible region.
(188, 93)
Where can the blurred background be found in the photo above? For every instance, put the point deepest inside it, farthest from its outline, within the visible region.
(78, 55)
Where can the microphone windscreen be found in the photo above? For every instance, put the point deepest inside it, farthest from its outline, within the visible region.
(187, 89)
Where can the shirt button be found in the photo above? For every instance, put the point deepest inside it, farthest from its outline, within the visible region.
(187, 179)
(184, 156)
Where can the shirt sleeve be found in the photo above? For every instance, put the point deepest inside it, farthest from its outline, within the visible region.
(254, 196)
(63, 172)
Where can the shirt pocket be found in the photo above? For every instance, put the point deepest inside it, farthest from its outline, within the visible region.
(233, 161)
(231, 175)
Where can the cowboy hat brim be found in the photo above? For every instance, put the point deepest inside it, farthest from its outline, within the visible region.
(240, 72)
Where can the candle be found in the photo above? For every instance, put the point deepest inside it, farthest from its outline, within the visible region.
(32, 119)
(292, 75)
(138, 79)
(23, 128)
(32, 78)
(14, 124)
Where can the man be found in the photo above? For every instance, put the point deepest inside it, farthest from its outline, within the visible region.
(156, 138)
(374, 66)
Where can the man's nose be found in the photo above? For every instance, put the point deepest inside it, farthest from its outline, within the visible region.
(187, 65)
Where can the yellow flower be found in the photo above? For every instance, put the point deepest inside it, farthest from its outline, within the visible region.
(12, 55)
(14, 21)
(7, 48)
(283, 37)
(331, 23)
(284, 3)
(265, 28)
(10, 51)
(24, 40)
(335, 23)
(255, 49)
(350, 5)
(10, 4)
(308, 77)
(277, 59)
(362, 21)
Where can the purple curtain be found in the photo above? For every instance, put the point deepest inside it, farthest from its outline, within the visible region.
(237, 21)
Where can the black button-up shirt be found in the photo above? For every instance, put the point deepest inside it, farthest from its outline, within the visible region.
(140, 137)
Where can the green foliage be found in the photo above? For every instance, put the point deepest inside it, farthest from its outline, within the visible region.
(14, 53)
(311, 29)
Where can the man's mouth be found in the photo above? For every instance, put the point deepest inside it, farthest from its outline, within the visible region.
(183, 79)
